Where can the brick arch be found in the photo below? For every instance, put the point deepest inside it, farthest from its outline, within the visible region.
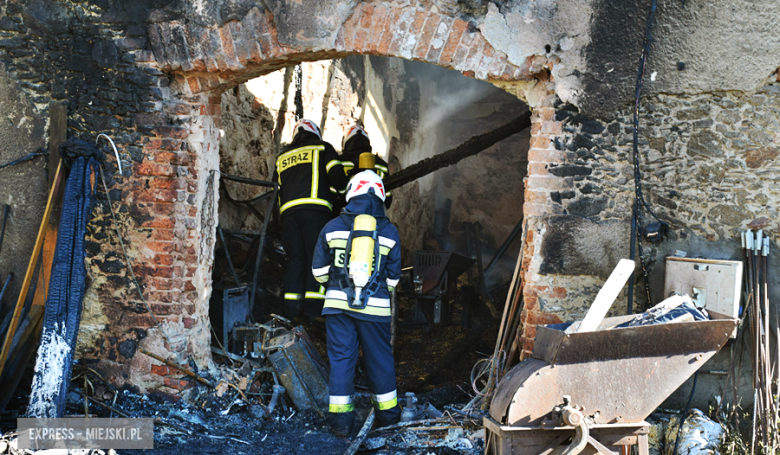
(199, 62)
(215, 58)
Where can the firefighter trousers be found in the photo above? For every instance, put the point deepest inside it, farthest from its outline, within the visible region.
(300, 230)
(345, 337)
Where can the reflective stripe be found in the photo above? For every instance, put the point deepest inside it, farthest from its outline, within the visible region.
(321, 279)
(315, 174)
(320, 271)
(331, 164)
(386, 400)
(311, 148)
(388, 194)
(337, 408)
(292, 296)
(384, 241)
(348, 164)
(342, 305)
(322, 290)
(384, 250)
(380, 167)
(336, 235)
(314, 295)
(384, 405)
(392, 283)
(301, 201)
(342, 296)
(333, 190)
(338, 243)
(340, 399)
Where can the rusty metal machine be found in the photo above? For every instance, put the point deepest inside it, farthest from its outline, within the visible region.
(590, 392)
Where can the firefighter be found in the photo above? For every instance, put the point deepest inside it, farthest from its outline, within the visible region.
(358, 256)
(355, 143)
(306, 170)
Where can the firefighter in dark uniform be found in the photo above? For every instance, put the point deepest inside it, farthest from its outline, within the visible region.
(360, 279)
(306, 170)
(355, 143)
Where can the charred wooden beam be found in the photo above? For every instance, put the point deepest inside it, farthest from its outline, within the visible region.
(469, 148)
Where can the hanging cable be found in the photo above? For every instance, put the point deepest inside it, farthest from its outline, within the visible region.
(639, 199)
(298, 92)
(27, 157)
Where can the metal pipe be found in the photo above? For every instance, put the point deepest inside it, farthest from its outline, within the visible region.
(505, 246)
(227, 255)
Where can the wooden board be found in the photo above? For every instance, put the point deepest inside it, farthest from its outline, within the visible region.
(53, 205)
(606, 296)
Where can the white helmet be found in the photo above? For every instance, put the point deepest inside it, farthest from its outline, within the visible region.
(307, 125)
(351, 132)
(363, 182)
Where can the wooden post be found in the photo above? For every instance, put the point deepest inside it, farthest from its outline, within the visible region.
(58, 132)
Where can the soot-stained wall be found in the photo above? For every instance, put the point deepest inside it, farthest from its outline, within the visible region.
(151, 75)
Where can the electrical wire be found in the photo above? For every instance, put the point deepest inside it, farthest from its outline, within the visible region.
(27, 157)
(685, 414)
(639, 198)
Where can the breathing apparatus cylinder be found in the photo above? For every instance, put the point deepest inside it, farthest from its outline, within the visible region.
(366, 161)
(361, 256)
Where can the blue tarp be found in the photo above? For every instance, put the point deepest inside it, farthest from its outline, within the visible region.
(65, 293)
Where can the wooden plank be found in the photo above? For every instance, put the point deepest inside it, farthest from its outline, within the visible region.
(58, 132)
(606, 296)
(55, 194)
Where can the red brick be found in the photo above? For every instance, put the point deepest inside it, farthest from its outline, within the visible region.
(528, 344)
(351, 26)
(188, 286)
(541, 142)
(537, 169)
(538, 318)
(426, 35)
(188, 322)
(558, 292)
(462, 52)
(439, 40)
(475, 53)
(536, 197)
(155, 196)
(179, 384)
(275, 50)
(240, 46)
(543, 114)
(229, 50)
(162, 170)
(252, 28)
(164, 309)
(173, 132)
(366, 14)
(160, 370)
(164, 183)
(400, 31)
(161, 271)
(529, 331)
(391, 26)
(547, 156)
(194, 36)
(377, 28)
(457, 29)
(164, 223)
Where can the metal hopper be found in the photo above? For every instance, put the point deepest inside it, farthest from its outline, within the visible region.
(603, 384)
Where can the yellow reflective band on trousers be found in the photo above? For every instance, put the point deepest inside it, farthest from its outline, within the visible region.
(336, 408)
(315, 295)
(292, 296)
(385, 405)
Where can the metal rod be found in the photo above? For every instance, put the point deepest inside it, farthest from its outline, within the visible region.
(235, 178)
(227, 255)
(5, 218)
(505, 246)
(181, 368)
(5, 287)
(261, 246)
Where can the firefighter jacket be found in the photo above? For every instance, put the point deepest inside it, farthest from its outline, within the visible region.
(330, 254)
(350, 159)
(306, 170)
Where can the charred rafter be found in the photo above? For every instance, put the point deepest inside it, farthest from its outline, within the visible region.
(469, 148)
